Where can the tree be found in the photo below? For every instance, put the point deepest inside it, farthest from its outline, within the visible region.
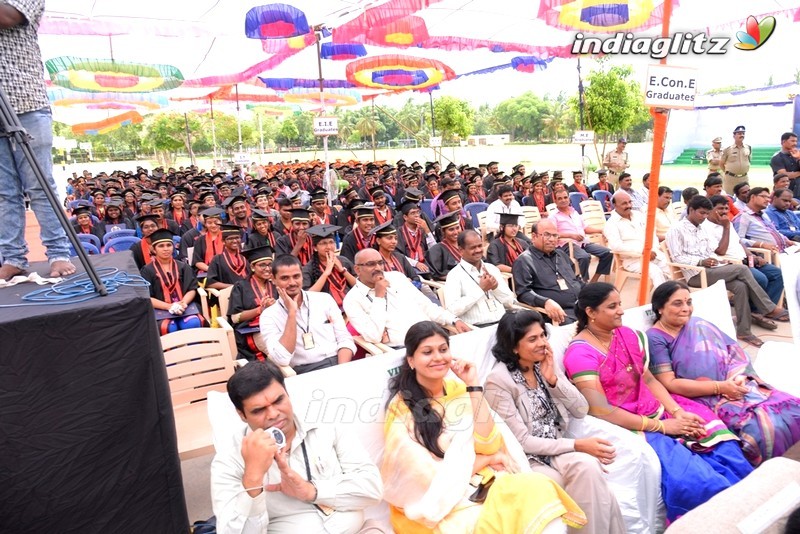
(166, 134)
(521, 116)
(486, 121)
(613, 101)
(453, 116)
(288, 130)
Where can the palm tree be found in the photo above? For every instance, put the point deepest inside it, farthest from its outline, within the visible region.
(554, 119)
(368, 125)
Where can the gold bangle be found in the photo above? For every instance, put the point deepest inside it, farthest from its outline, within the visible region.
(716, 388)
(676, 410)
(644, 423)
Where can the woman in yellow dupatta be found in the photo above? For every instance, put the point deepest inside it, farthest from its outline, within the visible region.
(442, 442)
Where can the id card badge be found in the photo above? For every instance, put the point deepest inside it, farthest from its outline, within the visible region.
(385, 337)
(562, 284)
(308, 341)
(491, 304)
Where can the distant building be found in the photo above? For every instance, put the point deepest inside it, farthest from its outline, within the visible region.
(486, 140)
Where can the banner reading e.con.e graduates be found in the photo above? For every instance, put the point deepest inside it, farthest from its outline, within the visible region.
(670, 87)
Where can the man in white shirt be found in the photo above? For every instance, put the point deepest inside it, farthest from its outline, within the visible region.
(505, 203)
(476, 291)
(303, 329)
(320, 480)
(382, 306)
(719, 226)
(665, 215)
(689, 244)
(625, 230)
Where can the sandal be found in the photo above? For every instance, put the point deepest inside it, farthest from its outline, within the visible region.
(782, 317)
(763, 322)
(751, 339)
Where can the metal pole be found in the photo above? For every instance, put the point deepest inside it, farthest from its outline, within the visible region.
(238, 119)
(188, 138)
(213, 133)
(12, 128)
(433, 123)
(330, 184)
(261, 134)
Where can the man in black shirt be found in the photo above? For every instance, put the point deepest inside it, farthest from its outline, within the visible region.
(545, 276)
(787, 161)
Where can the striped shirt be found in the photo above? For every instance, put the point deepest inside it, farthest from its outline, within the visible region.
(21, 69)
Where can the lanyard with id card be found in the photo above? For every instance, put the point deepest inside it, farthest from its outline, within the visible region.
(307, 336)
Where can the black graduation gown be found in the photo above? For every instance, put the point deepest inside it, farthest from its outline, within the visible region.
(187, 278)
(402, 246)
(243, 298)
(408, 270)
(187, 241)
(496, 253)
(187, 226)
(283, 245)
(138, 256)
(111, 226)
(350, 247)
(219, 271)
(279, 228)
(257, 240)
(98, 230)
(199, 253)
(440, 261)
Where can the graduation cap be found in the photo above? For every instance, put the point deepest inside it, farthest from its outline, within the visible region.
(319, 193)
(262, 192)
(432, 178)
(229, 230)
(575, 173)
(544, 173)
(207, 194)
(362, 211)
(377, 191)
(157, 203)
(349, 191)
(383, 230)
(230, 201)
(412, 193)
(258, 254)
(492, 163)
(180, 191)
(147, 217)
(212, 212)
(322, 231)
(162, 235)
(515, 174)
(509, 218)
(82, 210)
(259, 215)
(301, 214)
(601, 172)
(449, 195)
(448, 219)
(557, 175)
(115, 203)
(407, 205)
(98, 192)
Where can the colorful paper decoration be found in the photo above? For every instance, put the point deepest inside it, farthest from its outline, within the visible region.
(275, 21)
(284, 84)
(107, 125)
(528, 63)
(402, 33)
(344, 51)
(135, 101)
(602, 16)
(398, 72)
(107, 75)
(331, 99)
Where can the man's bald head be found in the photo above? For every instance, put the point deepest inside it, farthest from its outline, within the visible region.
(622, 204)
(368, 266)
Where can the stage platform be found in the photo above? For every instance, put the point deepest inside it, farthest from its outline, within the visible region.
(86, 423)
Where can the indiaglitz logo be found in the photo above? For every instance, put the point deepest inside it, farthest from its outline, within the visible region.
(757, 33)
(680, 43)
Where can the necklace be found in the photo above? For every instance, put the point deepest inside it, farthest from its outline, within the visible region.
(668, 330)
(628, 366)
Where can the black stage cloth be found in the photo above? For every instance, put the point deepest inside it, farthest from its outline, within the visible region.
(87, 434)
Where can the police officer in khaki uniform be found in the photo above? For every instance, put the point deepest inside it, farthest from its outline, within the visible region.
(616, 161)
(735, 161)
(714, 156)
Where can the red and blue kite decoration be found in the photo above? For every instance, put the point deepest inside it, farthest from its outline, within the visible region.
(275, 21)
